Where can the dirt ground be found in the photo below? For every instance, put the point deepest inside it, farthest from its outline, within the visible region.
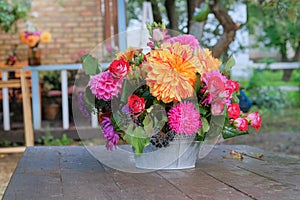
(285, 143)
(8, 163)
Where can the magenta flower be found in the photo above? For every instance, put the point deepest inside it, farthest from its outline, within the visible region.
(233, 110)
(255, 120)
(104, 86)
(233, 85)
(185, 40)
(184, 119)
(112, 137)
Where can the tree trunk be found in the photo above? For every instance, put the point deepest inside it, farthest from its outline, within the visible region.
(287, 74)
(191, 5)
(172, 15)
(156, 12)
(229, 26)
(297, 53)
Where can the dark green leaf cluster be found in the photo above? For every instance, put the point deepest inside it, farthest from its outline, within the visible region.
(11, 12)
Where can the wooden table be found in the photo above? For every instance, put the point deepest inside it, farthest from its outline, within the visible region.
(72, 173)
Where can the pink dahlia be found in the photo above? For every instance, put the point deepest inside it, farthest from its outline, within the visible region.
(185, 39)
(184, 119)
(104, 86)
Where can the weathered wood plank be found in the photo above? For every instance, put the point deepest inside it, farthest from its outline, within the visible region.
(198, 185)
(72, 173)
(260, 179)
(37, 176)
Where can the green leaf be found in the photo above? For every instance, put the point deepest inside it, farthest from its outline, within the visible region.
(205, 124)
(90, 65)
(235, 98)
(202, 14)
(202, 110)
(229, 132)
(229, 64)
(125, 91)
(203, 130)
(137, 138)
(198, 82)
(148, 125)
(292, 14)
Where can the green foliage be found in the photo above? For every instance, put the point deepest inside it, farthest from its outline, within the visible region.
(278, 22)
(136, 137)
(7, 143)
(226, 67)
(49, 140)
(265, 96)
(51, 80)
(11, 12)
(229, 132)
(90, 65)
(202, 14)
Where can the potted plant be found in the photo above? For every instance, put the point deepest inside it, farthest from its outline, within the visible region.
(166, 100)
(51, 94)
(33, 37)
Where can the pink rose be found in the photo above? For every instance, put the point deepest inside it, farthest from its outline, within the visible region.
(233, 85)
(215, 82)
(241, 124)
(255, 120)
(119, 68)
(233, 110)
(158, 35)
(217, 107)
(136, 103)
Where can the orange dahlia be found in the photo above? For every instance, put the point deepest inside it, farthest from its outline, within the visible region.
(33, 40)
(129, 53)
(46, 37)
(171, 72)
(208, 62)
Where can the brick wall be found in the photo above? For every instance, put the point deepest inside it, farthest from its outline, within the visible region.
(74, 25)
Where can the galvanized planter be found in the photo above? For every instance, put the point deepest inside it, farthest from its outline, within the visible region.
(182, 153)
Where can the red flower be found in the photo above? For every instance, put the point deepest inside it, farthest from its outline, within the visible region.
(135, 103)
(233, 85)
(119, 68)
(241, 124)
(255, 120)
(234, 110)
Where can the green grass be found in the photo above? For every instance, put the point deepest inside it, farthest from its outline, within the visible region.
(273, 78)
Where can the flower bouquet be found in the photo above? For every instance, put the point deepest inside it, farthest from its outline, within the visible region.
(33, 38)
(172, 91)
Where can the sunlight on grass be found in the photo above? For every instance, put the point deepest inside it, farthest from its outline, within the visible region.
(273, 78)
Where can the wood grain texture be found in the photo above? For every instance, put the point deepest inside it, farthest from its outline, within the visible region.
(22, 83)
(72, 173)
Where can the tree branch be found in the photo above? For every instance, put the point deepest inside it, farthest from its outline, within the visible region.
(229, 26)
